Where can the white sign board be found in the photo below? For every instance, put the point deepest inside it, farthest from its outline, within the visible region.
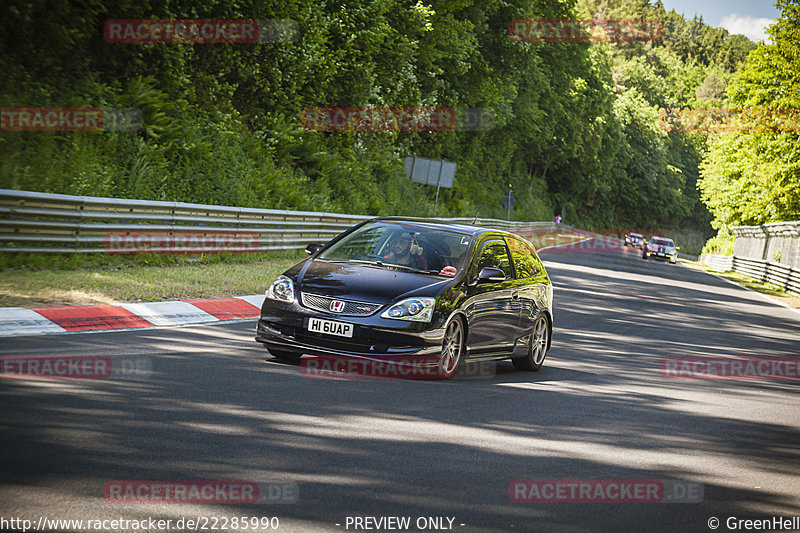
(430, 171)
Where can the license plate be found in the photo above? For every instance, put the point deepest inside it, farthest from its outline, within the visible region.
(329, 327)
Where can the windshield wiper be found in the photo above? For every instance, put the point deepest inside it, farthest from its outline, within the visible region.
(365, 262)
(414, 269)
(380, 263)
(402, 267)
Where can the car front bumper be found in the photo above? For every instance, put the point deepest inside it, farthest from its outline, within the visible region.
(285, 327)
(662, 256)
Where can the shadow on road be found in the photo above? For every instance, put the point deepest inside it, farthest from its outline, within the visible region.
(214, 408)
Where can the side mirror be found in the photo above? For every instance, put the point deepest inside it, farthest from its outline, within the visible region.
(313, 248)
(677, 247)
(491, 275)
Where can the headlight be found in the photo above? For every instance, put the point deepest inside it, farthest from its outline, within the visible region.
(415, 309)
(282, 289)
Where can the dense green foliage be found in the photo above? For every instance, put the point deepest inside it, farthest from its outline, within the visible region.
(576, 124)
(753, 176)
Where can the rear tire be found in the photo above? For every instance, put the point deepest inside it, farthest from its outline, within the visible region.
(537, 347)
(285, 356)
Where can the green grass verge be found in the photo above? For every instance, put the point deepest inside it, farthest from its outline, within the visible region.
(75, 281)
(769, 289)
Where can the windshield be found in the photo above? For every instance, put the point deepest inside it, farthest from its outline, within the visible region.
(414, 246)
(661, 242)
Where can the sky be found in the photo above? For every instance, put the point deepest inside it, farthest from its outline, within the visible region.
(748, 17)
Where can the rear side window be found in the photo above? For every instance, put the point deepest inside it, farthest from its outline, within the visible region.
(526, 263)
(493, 255)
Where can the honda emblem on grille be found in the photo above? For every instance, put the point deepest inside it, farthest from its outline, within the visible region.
(337, 306)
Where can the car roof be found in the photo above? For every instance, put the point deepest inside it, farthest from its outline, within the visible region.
(442, 224)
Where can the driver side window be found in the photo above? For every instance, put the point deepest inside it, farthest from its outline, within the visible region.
(493, 255)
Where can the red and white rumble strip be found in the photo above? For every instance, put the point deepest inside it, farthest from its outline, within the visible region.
(15, 321)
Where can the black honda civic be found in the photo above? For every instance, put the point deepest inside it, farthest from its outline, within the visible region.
(416, 293)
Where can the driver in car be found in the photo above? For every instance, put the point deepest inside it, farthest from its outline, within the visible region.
(402, 254)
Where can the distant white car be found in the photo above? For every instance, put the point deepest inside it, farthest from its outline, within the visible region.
(660, 248)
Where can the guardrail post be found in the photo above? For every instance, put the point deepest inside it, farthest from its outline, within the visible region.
(765, 250)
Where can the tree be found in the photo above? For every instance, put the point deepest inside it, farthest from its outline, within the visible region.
(753, 176)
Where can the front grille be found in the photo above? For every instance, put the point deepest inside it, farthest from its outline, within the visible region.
(354, 345)
(351, 308)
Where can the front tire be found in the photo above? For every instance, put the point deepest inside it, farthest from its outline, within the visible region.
(537, 347)
(452, 352)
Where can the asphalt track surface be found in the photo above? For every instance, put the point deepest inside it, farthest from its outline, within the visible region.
(213, 406)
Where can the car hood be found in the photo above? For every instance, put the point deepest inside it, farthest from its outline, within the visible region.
(364, 283)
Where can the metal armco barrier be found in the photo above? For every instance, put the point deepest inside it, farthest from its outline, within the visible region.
(780, 275)
(783, 276)
(769, 253)
(722, 263)
(59, 223)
